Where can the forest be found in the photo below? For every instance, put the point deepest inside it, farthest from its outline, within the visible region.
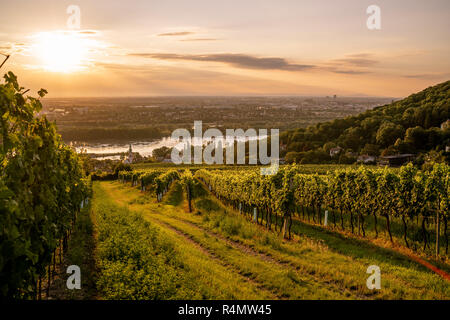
(414, 125)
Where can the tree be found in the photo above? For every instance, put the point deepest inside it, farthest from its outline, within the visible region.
(161, 152)
(388, 133)
(351, 138)
(293, 156)
(416, 137)
(315, 156)
(403, 147)
(121, 167)
(371, 150)
(327, 146)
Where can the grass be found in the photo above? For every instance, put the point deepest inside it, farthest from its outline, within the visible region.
(199, 276)
(414, 232)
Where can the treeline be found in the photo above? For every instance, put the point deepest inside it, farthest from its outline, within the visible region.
(111, 134)
(412, 125)
(42, 188)
(410, 195)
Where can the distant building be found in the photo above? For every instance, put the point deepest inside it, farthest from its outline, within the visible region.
(396, 160)
(129, 160)
(366, 159)
(447, 148)
(335, 151)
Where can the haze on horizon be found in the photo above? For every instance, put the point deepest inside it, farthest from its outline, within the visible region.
(290, 47)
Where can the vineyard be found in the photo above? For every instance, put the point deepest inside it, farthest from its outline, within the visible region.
(358, 194)
(271, 230)
(42, 189)
(353, 200)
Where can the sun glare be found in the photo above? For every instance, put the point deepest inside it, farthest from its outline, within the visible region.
(62, 51)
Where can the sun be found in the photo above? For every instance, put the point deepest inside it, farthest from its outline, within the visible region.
(62, 51)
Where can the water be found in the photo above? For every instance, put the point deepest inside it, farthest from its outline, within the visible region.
(144, 148)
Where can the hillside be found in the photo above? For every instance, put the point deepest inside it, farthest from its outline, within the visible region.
(412, 125)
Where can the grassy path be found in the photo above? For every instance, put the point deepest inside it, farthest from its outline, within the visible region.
(211, 255)
(309, 268)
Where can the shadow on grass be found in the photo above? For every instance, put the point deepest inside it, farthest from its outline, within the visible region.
(355, 248)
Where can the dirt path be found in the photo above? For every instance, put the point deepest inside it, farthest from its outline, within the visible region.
(213, 256)
(250, 251)
(237, 245)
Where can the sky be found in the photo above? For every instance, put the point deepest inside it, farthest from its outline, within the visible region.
(208, 47)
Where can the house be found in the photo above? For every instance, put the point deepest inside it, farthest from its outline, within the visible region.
(396, 160)
(335, 151)
(447, 148)
(366, 159)
(129, 160)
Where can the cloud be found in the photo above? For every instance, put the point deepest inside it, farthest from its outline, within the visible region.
(175, 34)
(236, 60)
(351, 64)
(427, 76)
(200, 39)
(350, 71)
(354, 65)
(124, 67)
(358, 62)
(355, 60)
(360, 55)
(13, 48)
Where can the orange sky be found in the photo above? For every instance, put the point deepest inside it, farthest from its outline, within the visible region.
(199, 47)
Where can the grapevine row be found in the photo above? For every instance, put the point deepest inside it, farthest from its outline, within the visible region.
(409, 194)
(42, 187)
